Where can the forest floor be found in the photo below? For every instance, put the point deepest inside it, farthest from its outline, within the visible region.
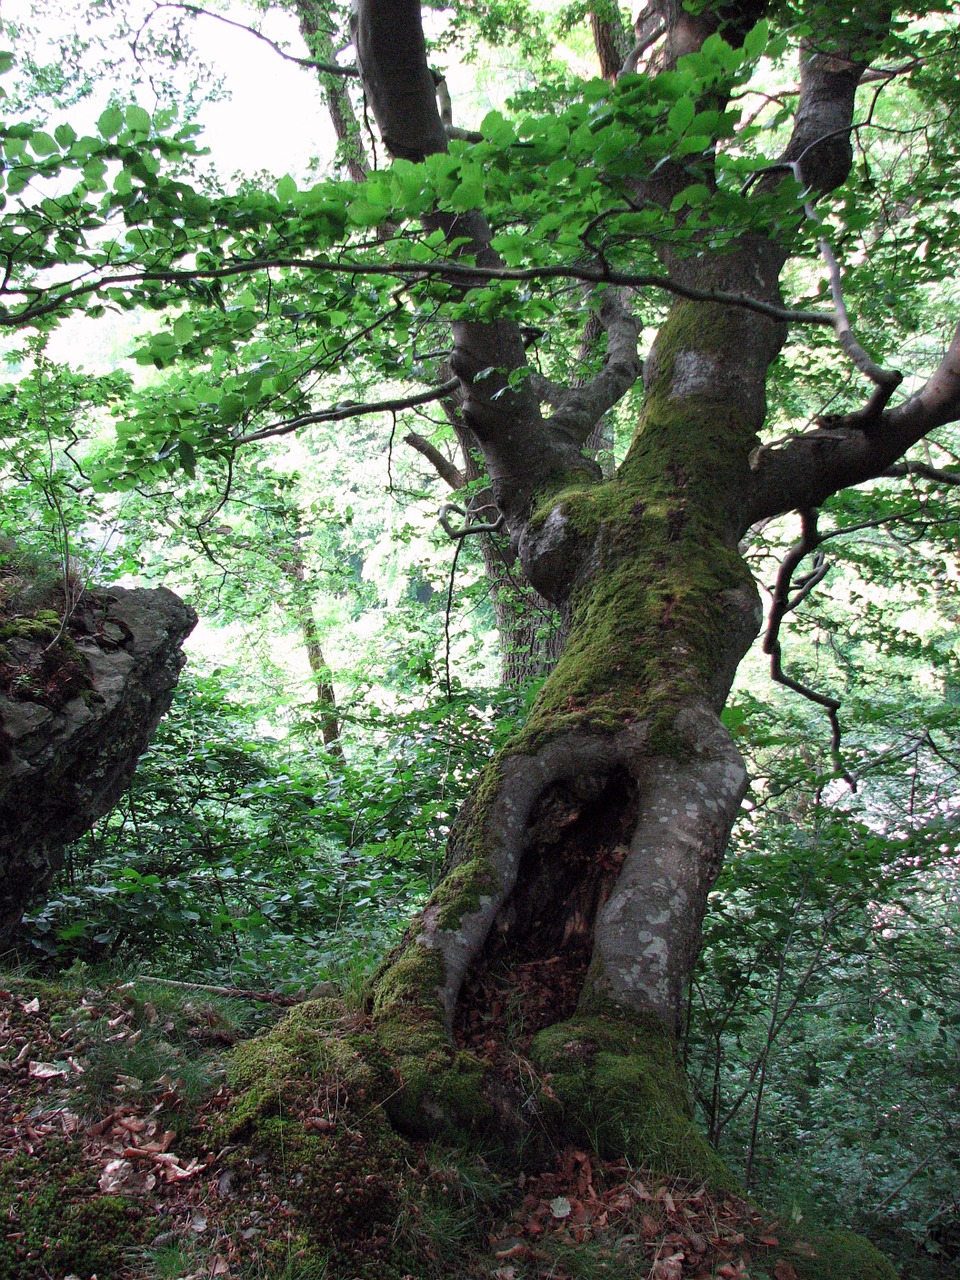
(114, 1168)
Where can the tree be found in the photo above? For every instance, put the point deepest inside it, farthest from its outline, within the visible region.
(598, 833)
(579, 868)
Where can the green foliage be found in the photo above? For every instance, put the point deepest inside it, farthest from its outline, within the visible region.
(824, 1025)
(260, 860)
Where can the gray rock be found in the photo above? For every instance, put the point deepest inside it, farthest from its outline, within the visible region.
(64, 766)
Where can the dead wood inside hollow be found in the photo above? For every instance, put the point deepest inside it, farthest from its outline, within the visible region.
(531, 970)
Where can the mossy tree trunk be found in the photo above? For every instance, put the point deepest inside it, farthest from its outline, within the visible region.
(579, 868)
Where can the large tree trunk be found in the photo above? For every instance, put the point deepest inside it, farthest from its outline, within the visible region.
(587, 849)
(579, 869)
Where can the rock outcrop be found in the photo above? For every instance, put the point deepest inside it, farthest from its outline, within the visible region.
(81, 692)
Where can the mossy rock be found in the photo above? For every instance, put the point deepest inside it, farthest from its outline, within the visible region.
(839, 1255)
(612, 1081)
(56, 1220)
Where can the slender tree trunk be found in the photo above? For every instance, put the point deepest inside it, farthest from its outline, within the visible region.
(295, 569)
(317, 32)
(323, 681)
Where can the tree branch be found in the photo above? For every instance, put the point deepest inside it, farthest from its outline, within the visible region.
(581, 408)
(805, 471)
(412, 272)
(465, 530)
(783, 603)
(329, 68)
(340, 412)
(448, 471)
(925, 472)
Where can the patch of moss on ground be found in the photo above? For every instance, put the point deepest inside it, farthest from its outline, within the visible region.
(317, 1048)
(613, 1081)
(308, 1118)
(56, 1222)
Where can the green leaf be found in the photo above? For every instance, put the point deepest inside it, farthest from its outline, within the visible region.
(498, 130)
(755, 40)
(695, 196)
(468, 195)
(138, 119)
(188, 458)
(65, 135)
(183, 329)
(681, 114)
(362, 213)
(43, 144)
(7, 59)
(110, 122)
(286, 189)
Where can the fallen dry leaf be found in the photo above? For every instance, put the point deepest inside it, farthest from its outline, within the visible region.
(46, 1070)
(518, 1250)
(668, 1268)
(784, 1271)
(118, 1175)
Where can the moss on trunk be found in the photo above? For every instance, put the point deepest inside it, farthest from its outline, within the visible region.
(612, 1080)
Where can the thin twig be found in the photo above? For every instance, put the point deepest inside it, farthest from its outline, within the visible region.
(783, 603)
(465, 530)
(349, 409)
(446, 622)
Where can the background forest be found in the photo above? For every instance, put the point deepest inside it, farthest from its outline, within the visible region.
(355, 665)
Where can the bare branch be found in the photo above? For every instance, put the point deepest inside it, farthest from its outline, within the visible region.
(886, 380)
(649, 27)
(412, 272)
(581, 408)
(806, 470)
(783, 603)
(445, 469)
(464, 135)
(340, 412)
(467, 529)
(924, 471)
(329, 68)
